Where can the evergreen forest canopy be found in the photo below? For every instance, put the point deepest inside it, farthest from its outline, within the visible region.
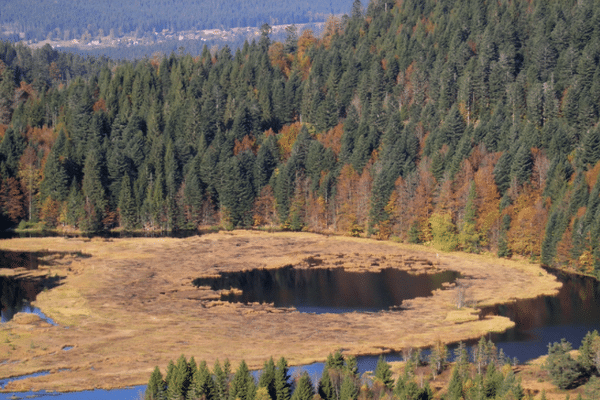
(483, 373)
(73, 19)
(468, 125)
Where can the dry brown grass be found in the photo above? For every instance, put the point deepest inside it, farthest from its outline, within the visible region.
(132, 305)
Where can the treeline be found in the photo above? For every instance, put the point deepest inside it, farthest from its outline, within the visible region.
(466, 125)
(489, 376)
(80, 19)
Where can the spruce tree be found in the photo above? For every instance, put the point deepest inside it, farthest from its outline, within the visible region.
(203, 384)
(180, 380)
(95, 202)
(562, 368)
(326, 388)
(267, 378)
(222, 377)
(468, 236)
(455, 386)
(156, 386)
(75, 203)
(348, 388)
(304, 388)
(282, 384)
(127, 205)
(242, 385)
(383, 373)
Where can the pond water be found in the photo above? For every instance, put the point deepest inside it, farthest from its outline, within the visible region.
(317, 290)
(17, 293)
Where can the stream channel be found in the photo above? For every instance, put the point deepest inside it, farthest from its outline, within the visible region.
(540, 321)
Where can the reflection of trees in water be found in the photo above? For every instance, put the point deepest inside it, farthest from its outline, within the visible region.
(16, 292)
(13, 295)
(577, 302)
(329, 288)
(18, 259)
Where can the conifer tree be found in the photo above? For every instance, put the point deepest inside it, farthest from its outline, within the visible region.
(282, 384)
(127, 205)
(304, 388)
(242, 385)
(156, 386)
(75, 205)
(383, 373)
(203, 384)
(326, 388)
(267, 378)
(180, 380)
(222, 377)
(455, 386)
(94, 193)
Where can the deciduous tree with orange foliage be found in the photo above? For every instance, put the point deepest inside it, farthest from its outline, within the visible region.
(528, 219)
(352, 200)
(11, 198)
(488, 201)
(264, 211)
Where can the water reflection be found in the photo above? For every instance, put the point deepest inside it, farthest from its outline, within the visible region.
(548, 319)
(327, 290)
(19, 290)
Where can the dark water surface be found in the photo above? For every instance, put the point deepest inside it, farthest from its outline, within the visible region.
(317, 290)
(18, 291)
(547, 319)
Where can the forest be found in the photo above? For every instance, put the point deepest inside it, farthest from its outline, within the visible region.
(482, 373)
(467, 126)
(38, 20)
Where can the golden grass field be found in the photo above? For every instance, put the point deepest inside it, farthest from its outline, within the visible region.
(132, 306)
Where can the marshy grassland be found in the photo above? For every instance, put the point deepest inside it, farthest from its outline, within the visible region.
(130, 305)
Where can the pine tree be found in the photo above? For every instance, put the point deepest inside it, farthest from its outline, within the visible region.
(562, 368)
(304, 388)
(75, 205)
(222, 377)
(156, 386)
(383, 373)
(127, 205)
(282, 384)
(267, 378)
(180, 380)
(94, 193)
(242, 385)
(203, 384)
(326, 388)
(455, 386)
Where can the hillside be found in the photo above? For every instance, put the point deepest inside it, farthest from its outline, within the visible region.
(467, 125)
(38, 20)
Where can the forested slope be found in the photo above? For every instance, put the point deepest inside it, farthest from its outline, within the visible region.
(468, 125)
(73, 19)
